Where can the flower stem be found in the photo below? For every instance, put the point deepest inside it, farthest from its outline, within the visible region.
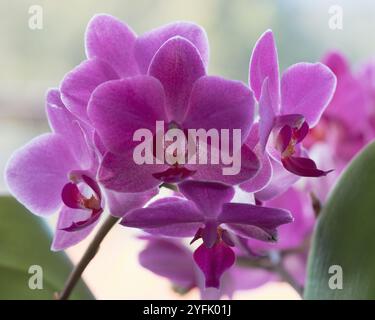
(287, 277)
(272, 266)
(87, 257)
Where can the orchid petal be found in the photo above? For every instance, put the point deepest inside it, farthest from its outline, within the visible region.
(303, 167)
(214, 262)
(170, 217)
(78, 85)
(207, 196)
(256, 221)
(246, 169)
(177, 64)
(307, 89)
(263, 65)
(119, 172)
(149, 43)
(119, 108)
(110, 40)
(281, 180)
(37, 172)
(169, 258)
(266, 114)
(120, 204)
(217, 103)
(65, 239)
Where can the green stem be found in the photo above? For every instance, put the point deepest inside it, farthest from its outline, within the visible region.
(89, 254)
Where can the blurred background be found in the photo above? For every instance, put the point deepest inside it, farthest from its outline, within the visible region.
(33, 60)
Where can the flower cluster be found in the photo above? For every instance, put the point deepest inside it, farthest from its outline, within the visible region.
(128, 82)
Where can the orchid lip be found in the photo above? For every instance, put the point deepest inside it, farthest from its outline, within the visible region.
(288, 137)
(73, 198)
(303, 167)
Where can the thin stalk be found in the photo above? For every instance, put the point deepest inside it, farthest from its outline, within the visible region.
(90, 253)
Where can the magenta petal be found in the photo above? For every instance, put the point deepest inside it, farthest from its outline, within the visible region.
(299, 203)
(255, 221)
(266, 114)
(264, 65)
(60, 119)
(120, 173)
(214, 262)
(170, 217)
(83, 224)
(303, 167)
(118, 108)
(110, 40)
(71, 129)
(214, 172)
(337, 62)
(207, 196)
(65, 239)
(98, 143)
(177, 64)
(78, 85)
(307, 89)
(37, 173)
(264, 235)
(120, 204)
(262, 178)
(281, 180)
(169, 258)
(219, 103)
(149, 43)
(349, 92)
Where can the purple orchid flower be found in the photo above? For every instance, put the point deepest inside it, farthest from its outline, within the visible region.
(56, 172)
(287, 110)
(343, 130)
(171, 259)
(130, 82)
(208, 214)
(336, 126)
(139, 102)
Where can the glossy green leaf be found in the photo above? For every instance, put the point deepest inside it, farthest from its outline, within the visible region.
(24, 242)
(344, 236)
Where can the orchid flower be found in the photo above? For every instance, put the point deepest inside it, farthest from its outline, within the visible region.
(336, 126)
(207, 213)
(56, 172)
(288, 108)
(347, 125)
(174, 89)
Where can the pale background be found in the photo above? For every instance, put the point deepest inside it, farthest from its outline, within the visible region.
(33, 60)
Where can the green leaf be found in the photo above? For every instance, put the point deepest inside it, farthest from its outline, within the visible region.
(25, 241)
(345, 235)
